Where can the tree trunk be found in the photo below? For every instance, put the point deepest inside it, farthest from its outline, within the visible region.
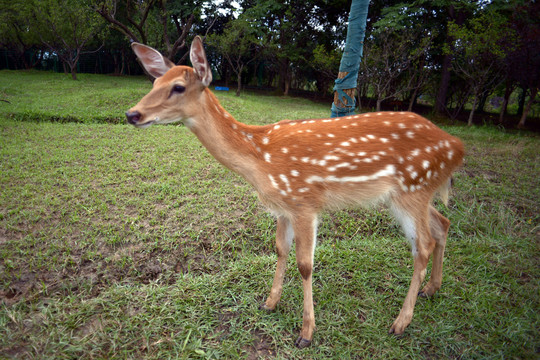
(471, 114)
(74, 72)
(521, 103)
(504, 106)
(379, 101)
(239, 80)
(413, 99)
(287, 86)
(440, 102)
(349, 92)
(284, 81)
(459, 17)
(482, 103)
(239, 85)
(521, 124)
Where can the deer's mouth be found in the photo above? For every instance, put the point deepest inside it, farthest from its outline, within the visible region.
(146, 124)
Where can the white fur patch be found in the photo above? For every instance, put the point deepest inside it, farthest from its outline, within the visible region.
(408, 226)
(387, 171)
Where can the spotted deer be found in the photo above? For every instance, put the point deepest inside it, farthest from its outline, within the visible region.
(302, 167)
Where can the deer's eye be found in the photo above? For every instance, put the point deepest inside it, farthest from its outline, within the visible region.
(178, 89)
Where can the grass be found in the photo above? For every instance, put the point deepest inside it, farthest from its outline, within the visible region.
(125, 243)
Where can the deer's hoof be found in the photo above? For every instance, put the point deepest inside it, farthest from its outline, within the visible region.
(302, 343)
(265, 308)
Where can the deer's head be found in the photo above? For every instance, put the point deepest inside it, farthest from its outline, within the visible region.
(176, 89)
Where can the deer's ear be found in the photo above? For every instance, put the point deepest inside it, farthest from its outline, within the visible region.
(154, 63)
(199, 62)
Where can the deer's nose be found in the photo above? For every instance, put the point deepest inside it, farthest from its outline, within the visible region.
(133, 117)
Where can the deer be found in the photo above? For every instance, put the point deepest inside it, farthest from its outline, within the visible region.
(300, 168)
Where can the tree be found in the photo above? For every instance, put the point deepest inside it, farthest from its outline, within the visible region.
(66, 27)
(389, 56)
(523, 63)
(239, 44)
(326, 63)
(17, 31)
(160, 23)
(479, 50)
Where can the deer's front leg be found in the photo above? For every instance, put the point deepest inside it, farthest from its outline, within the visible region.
(306, 232)
(284, 237)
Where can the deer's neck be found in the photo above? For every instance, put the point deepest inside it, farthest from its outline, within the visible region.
(232, 143)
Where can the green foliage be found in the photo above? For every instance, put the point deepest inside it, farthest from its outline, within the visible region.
(487, 35)
(15, 24)
(326, 61)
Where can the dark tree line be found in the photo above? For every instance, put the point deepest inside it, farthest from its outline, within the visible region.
(450, 52)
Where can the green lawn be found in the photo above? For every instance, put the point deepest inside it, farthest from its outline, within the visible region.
(124, 243)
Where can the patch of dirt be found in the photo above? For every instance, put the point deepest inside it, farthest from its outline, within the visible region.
(88, 277)
(262, 347)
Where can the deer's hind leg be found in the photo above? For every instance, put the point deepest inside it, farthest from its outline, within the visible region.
(412, 212)
(439, 226)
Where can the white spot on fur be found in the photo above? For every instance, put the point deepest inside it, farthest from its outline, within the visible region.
(267, 157)
(285, 180)
(265, 140)
(387, 171)
(295, 173)
(284, 150)
(273, 181)
(425, 164)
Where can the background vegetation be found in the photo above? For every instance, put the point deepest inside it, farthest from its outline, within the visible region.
(124, 243)
(460, 57)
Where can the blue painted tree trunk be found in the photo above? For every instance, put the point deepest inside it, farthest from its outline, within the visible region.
(344, 104)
